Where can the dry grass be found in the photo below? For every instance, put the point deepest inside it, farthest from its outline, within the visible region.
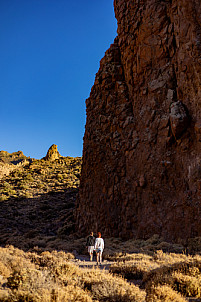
(165, 276)
(28, 276)
(182, 274)
(164, 293)
(51, 277)
(118, 250)
(138, 266)
(40, 177)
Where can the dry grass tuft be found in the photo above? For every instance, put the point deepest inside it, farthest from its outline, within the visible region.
(164, 293)
(106, 287)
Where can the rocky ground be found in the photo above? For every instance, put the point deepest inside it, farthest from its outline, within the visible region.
(37, 200)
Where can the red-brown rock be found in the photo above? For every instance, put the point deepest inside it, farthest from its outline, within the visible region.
(141, 159)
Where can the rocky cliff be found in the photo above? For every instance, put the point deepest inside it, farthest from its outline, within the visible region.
(141, 158)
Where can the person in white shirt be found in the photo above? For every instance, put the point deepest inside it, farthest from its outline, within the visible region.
(99, 247)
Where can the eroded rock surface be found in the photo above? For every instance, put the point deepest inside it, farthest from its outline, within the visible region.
(179, 119)
(141, 159)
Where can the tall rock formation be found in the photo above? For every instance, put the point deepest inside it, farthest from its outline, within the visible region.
(52, 153)
(141, 158)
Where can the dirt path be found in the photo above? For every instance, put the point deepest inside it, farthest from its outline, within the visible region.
(83, 262)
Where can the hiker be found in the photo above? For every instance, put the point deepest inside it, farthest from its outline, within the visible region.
(99, 246)
(90, 245)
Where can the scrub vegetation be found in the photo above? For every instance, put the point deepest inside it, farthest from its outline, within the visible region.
(40, 177)
(39, 247)
(55, 276)
(37, 200)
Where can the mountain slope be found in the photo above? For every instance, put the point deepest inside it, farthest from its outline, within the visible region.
(37, 201)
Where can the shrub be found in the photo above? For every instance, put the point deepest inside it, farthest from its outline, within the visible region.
(182, 275)
(135, 268)
(164, 293)
(3, 197)
(59, 176)
(105, 287)
(189, 286)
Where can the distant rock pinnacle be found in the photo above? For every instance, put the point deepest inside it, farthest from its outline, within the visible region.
(52, 153)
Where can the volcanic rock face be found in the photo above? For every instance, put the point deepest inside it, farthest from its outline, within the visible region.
(141, 159)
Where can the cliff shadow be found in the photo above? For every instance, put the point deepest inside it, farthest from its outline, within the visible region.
(39, 223)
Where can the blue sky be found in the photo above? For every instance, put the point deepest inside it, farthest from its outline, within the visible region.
(49, 55)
